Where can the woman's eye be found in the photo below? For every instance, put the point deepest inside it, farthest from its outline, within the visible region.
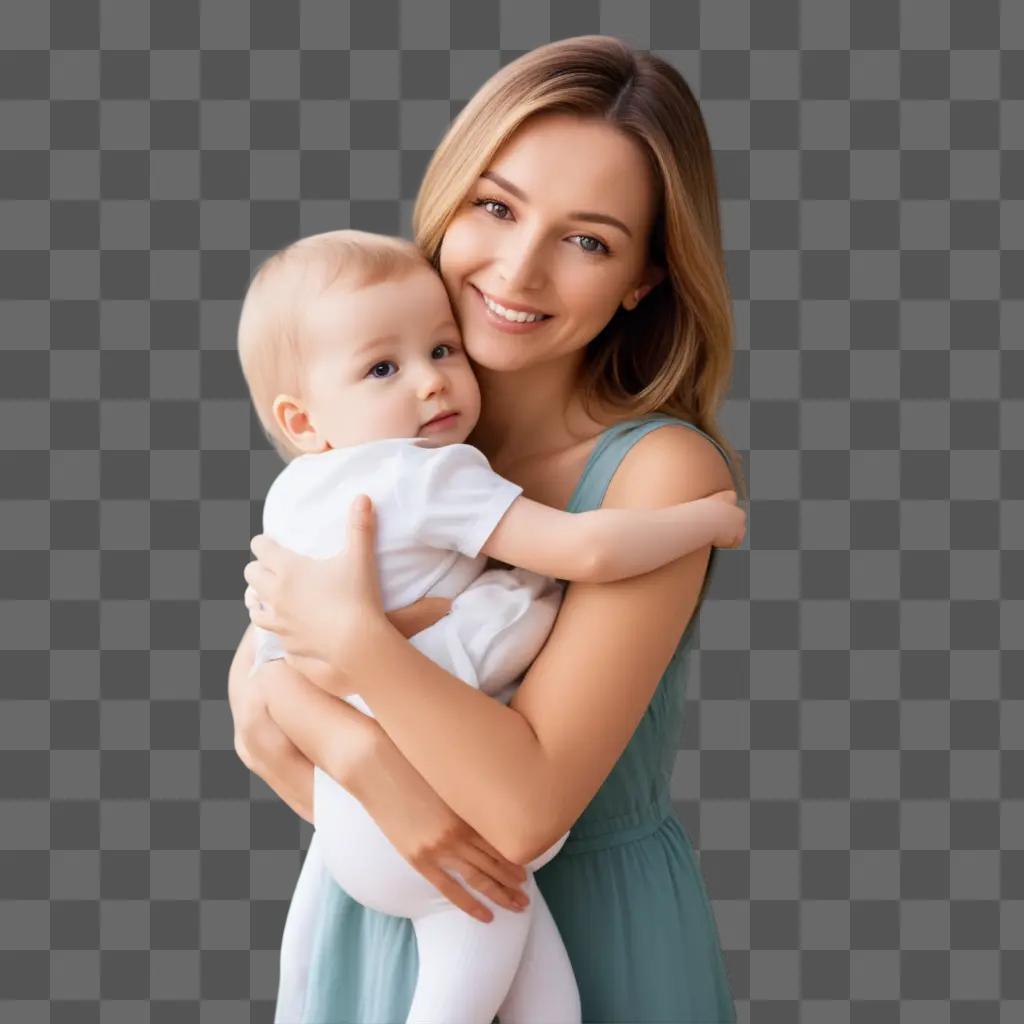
(492, 203)
(598, 248)
(589, 244)
(373, 369)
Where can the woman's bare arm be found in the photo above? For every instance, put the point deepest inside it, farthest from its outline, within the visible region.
(421, 827)
(538, 761)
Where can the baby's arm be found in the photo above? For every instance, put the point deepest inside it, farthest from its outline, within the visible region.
(306, 718)
(265, 735)
(603, 545)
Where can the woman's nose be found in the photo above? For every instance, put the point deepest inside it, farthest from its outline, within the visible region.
(523, 263)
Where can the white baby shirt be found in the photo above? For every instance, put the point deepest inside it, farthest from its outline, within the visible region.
(435, 508)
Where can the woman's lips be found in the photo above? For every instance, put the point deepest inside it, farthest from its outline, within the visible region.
(510, 326)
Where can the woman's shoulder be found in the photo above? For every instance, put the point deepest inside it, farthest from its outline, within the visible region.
(671, 461)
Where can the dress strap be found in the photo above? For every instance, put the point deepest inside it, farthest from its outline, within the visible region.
(609, 451)
(612, 447)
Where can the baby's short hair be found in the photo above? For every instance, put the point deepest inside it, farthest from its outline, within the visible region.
(271, 334)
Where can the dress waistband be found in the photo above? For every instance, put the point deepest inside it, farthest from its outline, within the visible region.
(587, 836)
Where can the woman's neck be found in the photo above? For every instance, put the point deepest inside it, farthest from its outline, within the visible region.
(531, 412)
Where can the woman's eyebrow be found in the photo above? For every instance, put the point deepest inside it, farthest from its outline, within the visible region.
(597, 218)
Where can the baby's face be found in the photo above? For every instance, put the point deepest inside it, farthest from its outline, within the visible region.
(386, 360)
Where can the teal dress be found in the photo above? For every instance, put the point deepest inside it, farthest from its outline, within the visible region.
(625, 890)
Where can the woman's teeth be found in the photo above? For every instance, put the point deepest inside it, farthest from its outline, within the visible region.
(511, 314)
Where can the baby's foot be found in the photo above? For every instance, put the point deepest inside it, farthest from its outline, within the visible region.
(730, 520)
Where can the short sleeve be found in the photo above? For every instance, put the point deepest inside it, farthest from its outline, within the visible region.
(451, 497)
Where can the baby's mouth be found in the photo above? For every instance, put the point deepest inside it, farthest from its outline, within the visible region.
(444, 417)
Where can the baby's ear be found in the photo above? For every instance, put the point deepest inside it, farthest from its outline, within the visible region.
(292, 419)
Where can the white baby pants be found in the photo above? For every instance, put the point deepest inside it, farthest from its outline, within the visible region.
(516, 965)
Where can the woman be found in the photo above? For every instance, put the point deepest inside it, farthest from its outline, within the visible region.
(578, 184)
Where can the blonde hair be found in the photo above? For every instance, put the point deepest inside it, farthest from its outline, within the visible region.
(272, 345)
(673, 352)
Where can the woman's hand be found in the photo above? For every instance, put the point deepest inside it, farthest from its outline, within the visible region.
(410, 620)
(419, 824)
(327, 614)
(329, 609)
(432, 837)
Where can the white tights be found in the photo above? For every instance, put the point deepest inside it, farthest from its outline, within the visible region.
(515, 966)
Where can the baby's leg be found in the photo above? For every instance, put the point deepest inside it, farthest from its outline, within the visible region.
(495, 628)
(297, 939)
(544, 989)
(361, 858)
(467, 966)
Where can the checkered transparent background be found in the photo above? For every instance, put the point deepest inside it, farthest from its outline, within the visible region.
(850, 768)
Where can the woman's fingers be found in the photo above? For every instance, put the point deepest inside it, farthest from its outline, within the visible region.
(454, 892)
(258, 575)
(261, 617)
(260, 613)
(513, 874)
(257, 595)
(362, 534)
(265, 550)
(483, 883)
(485, 875)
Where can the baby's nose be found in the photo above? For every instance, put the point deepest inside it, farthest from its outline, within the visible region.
(433, 381)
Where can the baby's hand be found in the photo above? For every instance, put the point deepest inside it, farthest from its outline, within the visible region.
(730, 521)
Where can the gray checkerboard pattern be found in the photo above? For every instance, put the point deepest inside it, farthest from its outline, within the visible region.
(851, 766)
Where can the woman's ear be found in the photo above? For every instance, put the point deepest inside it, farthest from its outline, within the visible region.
(652, 276)
(292, 419)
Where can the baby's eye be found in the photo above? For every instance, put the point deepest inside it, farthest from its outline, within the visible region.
(373, 369)
(450, 350)
(598, 248)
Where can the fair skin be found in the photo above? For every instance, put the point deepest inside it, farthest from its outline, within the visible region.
(539, 760)
(294, 737)
(399, 364)
(383, 361)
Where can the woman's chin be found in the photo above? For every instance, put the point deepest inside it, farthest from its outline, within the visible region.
(501, 355)
(498, 365)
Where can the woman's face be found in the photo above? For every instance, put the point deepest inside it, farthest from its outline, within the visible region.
(557, 226)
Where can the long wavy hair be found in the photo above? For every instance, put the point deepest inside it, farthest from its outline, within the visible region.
(673, 352)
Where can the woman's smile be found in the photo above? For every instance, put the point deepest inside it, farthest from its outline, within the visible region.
(515, 248)
(501, 320)
(578, 178)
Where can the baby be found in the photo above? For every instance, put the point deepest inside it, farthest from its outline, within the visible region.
(356, 371)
